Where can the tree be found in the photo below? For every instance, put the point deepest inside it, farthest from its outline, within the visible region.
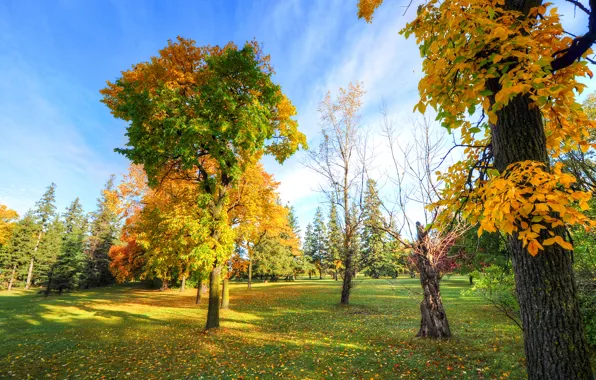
(373, 253)
(8, 218)
(44, 213)
(192, 103)
(315, 245)
(102, 235)
(17, 252)
(69, 269)
(334, 243)
(513, 59)
(336, 161)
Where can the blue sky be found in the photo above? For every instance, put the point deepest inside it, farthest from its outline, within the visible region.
(56, 55)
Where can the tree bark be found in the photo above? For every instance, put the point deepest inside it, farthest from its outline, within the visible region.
(471, 279)
(29, 274)
(554, 338)
(183, 285)
(250, 273)
(434, 323)
(214, 298)
(225, 299)
(14, 269)
(320, 273)
(347, 282)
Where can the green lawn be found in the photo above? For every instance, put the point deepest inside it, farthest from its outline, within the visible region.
(291, 329)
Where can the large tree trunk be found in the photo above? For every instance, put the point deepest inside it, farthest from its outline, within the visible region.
(348, 274)
(250, 273)
(434, 323)
(225, 299)
(14, 269)
(554, 339)
(214, 298)
(183, 285)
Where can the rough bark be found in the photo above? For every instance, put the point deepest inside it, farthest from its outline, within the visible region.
(347, 281)
(183, 285)
(554, 339)
(14, 269)
(214, 298)
(225, 300)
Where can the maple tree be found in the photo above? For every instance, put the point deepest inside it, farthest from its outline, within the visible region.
(193, 102)
(513, 60)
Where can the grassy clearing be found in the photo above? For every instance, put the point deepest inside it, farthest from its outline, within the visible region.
(295, 330)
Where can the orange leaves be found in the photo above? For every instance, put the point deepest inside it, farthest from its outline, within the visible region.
(7, 219)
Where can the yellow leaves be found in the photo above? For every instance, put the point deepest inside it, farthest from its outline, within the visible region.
(525, 200)
(500, 33)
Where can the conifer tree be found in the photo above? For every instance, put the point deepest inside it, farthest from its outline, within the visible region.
(69, 271)
(373, 257)
(316, 244)
(334, 242)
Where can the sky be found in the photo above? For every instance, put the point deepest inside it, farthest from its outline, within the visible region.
(55, 56)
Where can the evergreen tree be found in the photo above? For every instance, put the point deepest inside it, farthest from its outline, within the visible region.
(103, 233)
(69, 271)
(334, 242)
(50, 247)
(17, 252)
(374, 259)
(44, 214)
(316, 242)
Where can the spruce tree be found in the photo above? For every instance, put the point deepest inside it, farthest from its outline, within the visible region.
(334, 242)
(316, 245)
(69, 271)
(373, 256)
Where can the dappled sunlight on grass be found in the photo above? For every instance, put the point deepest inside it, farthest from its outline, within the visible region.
(285, 329)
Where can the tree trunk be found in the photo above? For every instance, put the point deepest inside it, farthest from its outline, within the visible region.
(348, 274)
(335, 275)
(14, 269)
(214, 298)
(554, 339)
(434, 323)
(471, 279)
(47, 292)
(29, 274)
(199, 291)
(183, 285)
(250, 273)
(320, 273)
(225, 299)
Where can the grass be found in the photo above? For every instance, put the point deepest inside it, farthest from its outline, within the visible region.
(290, 329)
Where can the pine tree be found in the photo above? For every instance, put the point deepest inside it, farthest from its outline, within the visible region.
(50, 248)
(103, 233)
(69, 271)
(334, 242)
(373, 257)
(44, 213)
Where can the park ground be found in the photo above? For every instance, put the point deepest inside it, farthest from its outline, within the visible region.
(290, 329)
